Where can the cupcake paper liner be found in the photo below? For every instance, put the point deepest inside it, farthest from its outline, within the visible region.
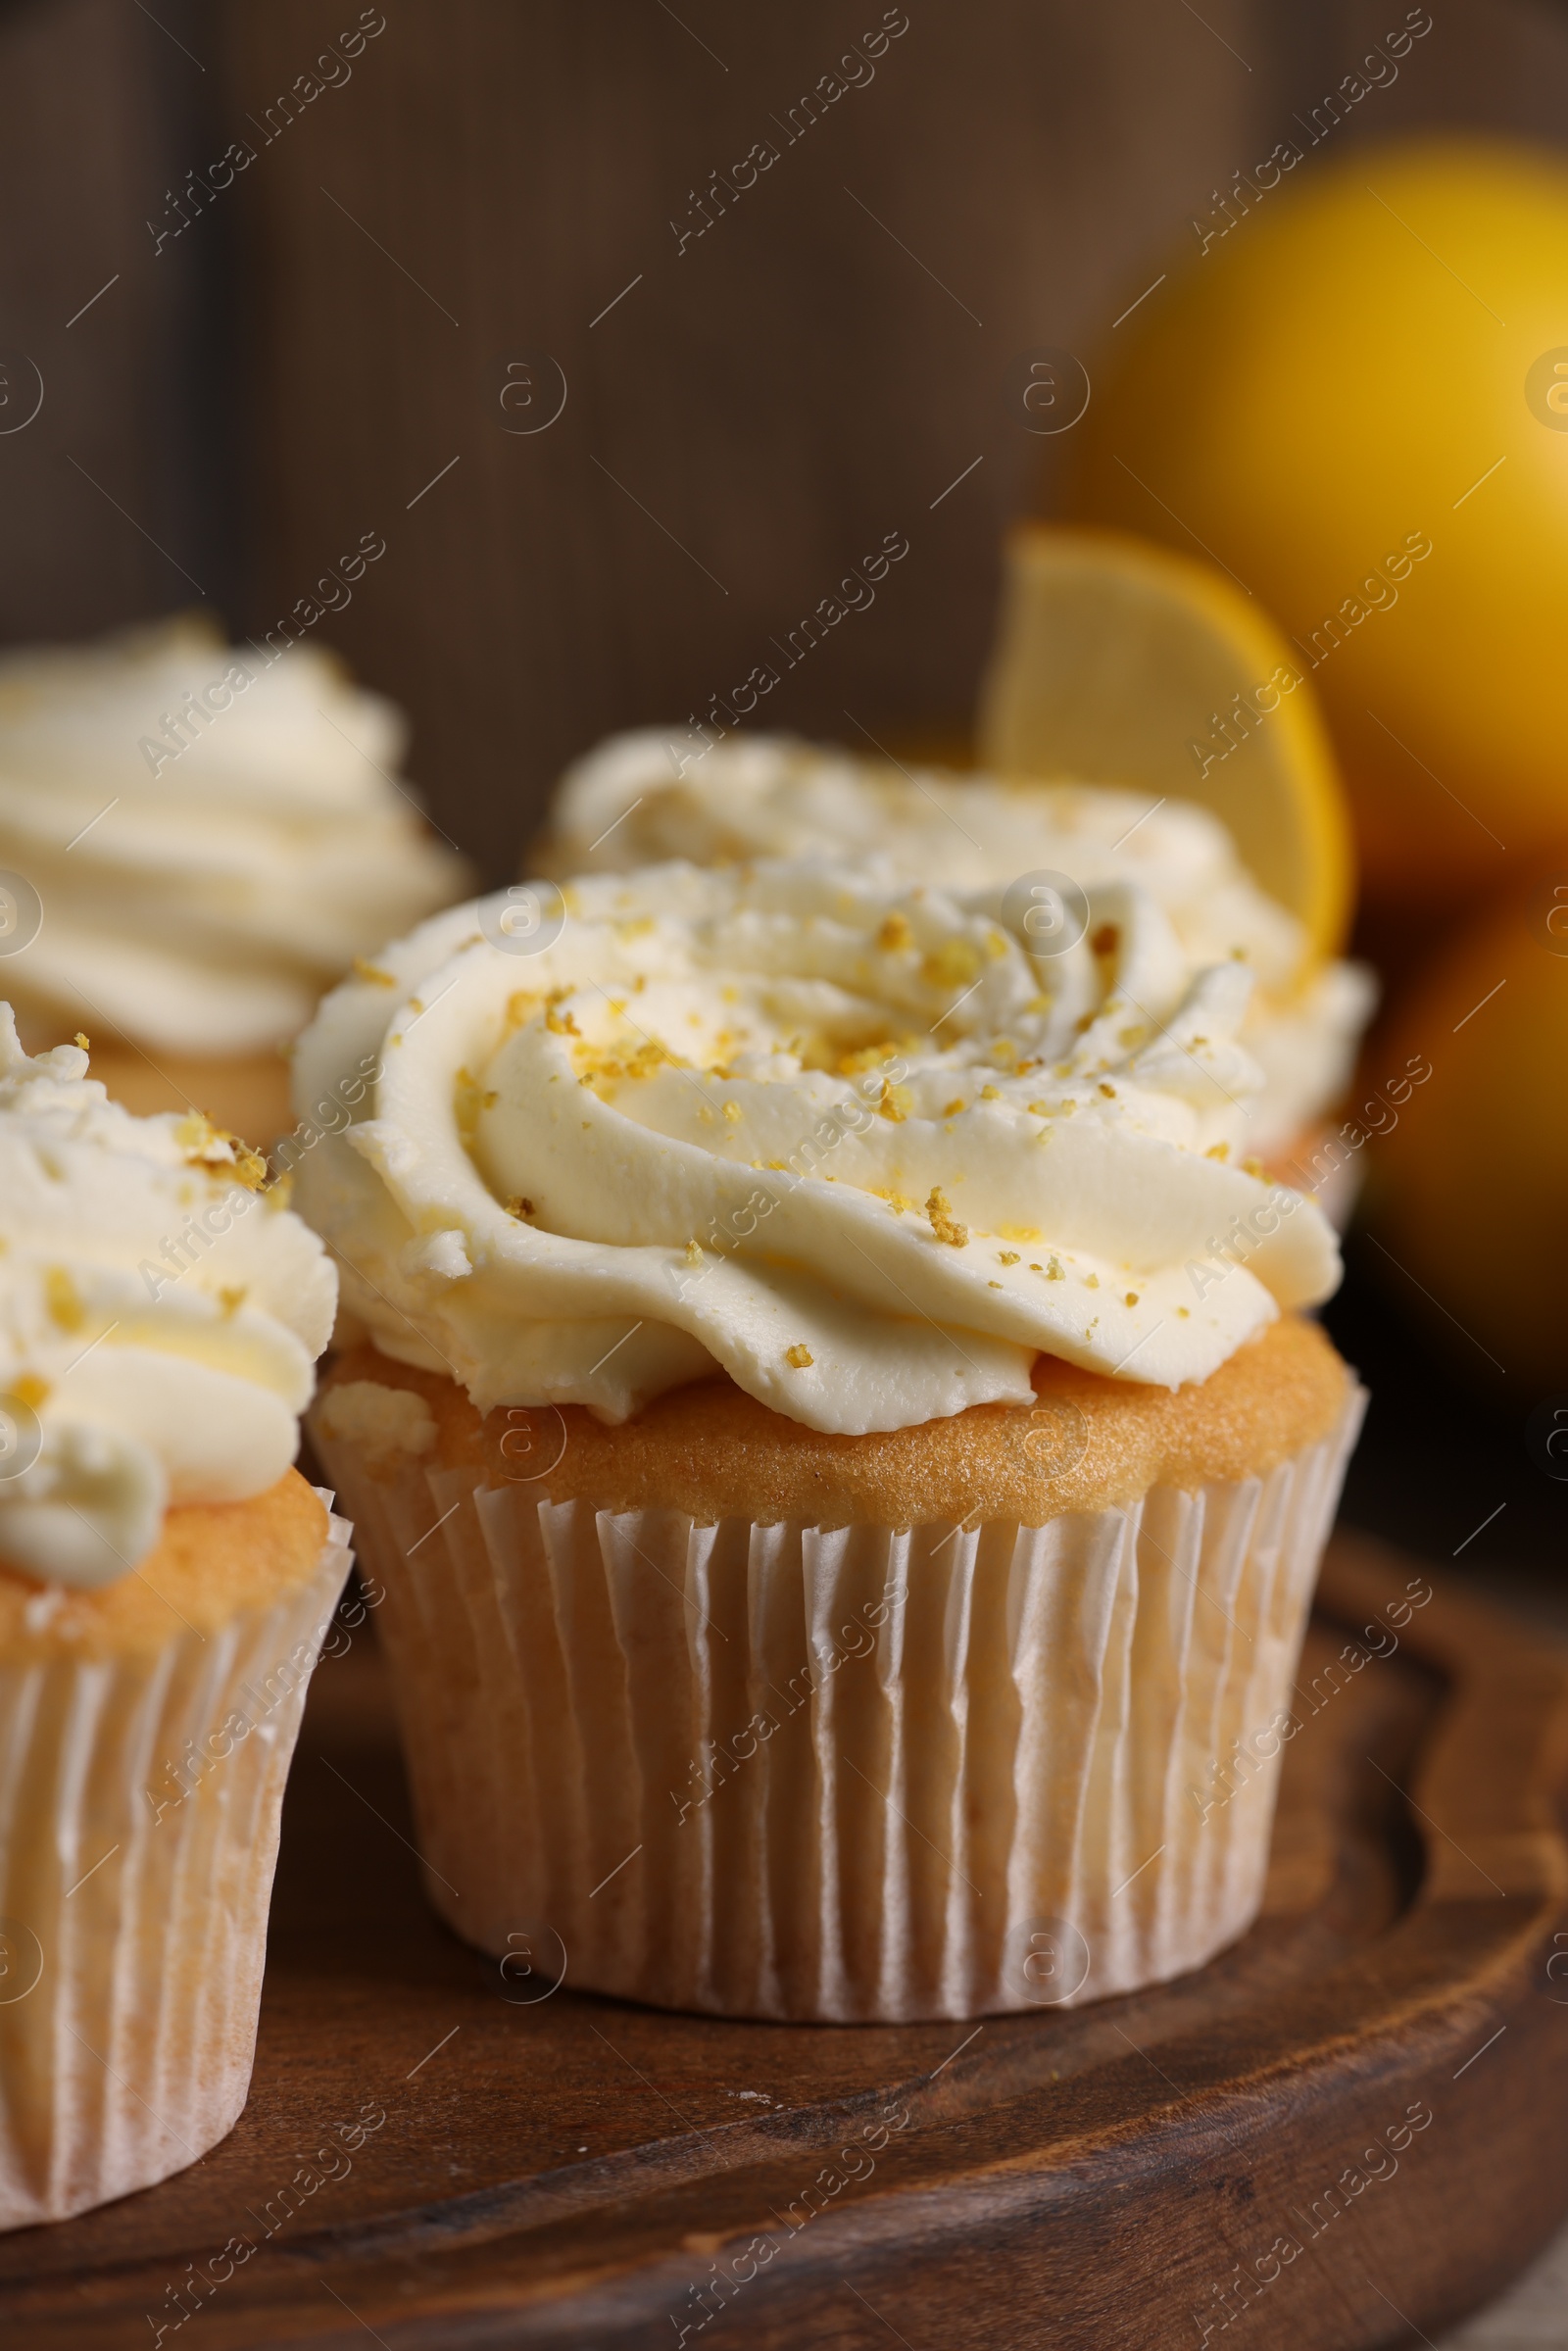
(842, 1775)
(139, 1805)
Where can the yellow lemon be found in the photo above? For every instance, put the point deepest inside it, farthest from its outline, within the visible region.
(1469, 1180)
(1354, 396)
(1117, 661)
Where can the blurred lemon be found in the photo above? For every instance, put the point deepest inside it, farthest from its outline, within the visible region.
(1119, 663)
(1468, 1191)
(1355, 398)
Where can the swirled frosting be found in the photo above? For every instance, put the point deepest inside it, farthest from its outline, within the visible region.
(213, 831)
(158, 1320)
(847, 1139)
(654, 794)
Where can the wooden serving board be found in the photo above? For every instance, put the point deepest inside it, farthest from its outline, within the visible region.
(1352, 2127)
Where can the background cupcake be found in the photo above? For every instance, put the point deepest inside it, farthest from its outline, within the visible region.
(165, 1580)
(657, 793)
(856, 1147)
(197, 839)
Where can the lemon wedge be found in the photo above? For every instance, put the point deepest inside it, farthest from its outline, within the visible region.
(1117, 661)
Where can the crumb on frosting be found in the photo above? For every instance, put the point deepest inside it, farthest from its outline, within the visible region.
(943, 1224)
(213, 1147)
(956, 964)
(63, 1299)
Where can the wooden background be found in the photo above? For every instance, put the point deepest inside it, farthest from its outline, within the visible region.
(751, 416)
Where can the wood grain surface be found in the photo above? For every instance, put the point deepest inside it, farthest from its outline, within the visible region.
(1377, 2077)
(115, 485)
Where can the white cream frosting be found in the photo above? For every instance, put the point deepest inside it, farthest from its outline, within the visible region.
(843, 1137)
(652, 793)
(213, 831)
(158, 1320)
(382, 1422)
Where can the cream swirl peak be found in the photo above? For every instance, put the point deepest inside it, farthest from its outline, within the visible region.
(214, 832)
(655, 793)
(848, 1140)
(158, 1320)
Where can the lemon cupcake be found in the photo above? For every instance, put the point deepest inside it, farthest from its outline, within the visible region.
(166, 1577)
(664, 792)
(835, 1431)
(195, 840)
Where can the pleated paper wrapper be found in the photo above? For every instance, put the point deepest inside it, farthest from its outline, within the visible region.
(133, 1919)
(851, 1775)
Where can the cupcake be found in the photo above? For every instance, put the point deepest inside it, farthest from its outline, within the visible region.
(661, 793)
(835, 1421)
(195, 840)
(166, 1577)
